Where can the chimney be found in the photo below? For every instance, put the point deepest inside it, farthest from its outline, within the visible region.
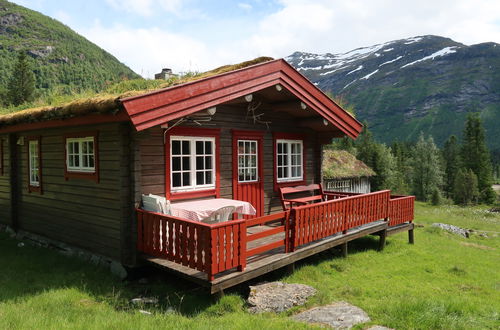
(165, 74)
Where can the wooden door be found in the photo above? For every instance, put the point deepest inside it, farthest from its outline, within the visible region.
(248, 175)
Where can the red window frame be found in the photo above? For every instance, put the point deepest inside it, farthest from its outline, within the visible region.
(31, 188)
(192, 131)
(93, 176)
(288, 136)
(1, 157)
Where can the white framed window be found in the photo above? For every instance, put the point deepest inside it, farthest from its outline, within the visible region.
(289, 155)
(34, 163)
(80, 154)
(247, 161)
(192, 163)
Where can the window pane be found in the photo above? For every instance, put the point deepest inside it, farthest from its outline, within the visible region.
(199, 163)
(76, 147)
(253, 174)
(186, 163)
(208, 163)
(91, 161)
(241, 175)
(199, 147)
(208, 147)
(185, 148)
(285, 172)
(253, 148)
(280, 148)
(176, 180)
(280, 172)
(200, 178)
(84, 147)
(85, 161)
(208, 177)
(176, 147)
(91, 146)
(176, 163)
(76, 161)
(186, 179)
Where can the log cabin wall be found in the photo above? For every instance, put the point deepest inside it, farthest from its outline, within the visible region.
(95, 216)
(152, 158)
(5, 191)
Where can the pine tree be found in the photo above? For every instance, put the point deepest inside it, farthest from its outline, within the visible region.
(476, 156)
(427, 168)
(21, 87)
(465, 190)
(452, 164)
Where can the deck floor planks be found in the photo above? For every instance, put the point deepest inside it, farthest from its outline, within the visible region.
(271, 260)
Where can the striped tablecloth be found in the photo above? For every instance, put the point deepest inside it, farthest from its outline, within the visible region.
(200, 209)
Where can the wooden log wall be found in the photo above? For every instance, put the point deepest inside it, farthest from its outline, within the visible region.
(96, 216)
(152, 158)
(5, 191)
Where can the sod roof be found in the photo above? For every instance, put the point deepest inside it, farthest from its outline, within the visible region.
(340, 164)
(109, 101)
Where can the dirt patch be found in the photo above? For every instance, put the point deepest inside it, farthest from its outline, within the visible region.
(479, 246)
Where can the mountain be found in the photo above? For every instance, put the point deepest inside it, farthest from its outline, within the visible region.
(60, 57)
(402, 87)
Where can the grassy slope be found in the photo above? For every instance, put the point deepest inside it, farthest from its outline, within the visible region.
(443, 281)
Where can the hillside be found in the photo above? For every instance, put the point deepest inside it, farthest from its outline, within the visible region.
(402, 87)
(61, 58)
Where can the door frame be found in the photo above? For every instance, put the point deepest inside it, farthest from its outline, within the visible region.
(259, 137)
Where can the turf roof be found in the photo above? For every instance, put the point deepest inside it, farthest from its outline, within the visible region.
(109, 101)
(340, 164)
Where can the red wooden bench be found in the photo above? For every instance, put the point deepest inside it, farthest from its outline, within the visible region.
(316, 194)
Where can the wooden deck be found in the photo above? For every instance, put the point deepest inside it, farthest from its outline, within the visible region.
(228, 253)
(276, 258)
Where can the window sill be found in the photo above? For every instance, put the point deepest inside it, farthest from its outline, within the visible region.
(93, 176)
(192, 194)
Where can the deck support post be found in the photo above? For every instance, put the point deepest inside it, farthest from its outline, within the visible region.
(290, 268)
(381, 242)
(219, 294)
(343, 249)
(411, 238)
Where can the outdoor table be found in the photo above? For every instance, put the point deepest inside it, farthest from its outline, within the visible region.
(200, 209)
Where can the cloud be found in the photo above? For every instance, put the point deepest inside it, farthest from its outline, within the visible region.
(245, 6)
(147, 7)
(63, 16)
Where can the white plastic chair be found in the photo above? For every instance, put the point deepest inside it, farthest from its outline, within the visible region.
(151, 204)
(220, 215)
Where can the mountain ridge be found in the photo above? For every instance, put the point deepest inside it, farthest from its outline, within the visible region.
(424, 83)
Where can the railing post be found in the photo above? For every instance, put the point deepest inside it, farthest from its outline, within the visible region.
(242, 246)
(290, 230)
(212, 254)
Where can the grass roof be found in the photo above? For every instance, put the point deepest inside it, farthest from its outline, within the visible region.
(107, 102)
(340, 164)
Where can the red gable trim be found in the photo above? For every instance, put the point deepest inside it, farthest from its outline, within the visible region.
(161, 106)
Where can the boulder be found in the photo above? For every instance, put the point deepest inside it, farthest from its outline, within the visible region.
(453, 229)
(340, 315)
(278, 296)
(117, 269)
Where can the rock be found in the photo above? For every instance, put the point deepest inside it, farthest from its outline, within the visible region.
(11, 19)
(10, 232)
(20, 244)
(144, 301)
(453, 229)
(340, 315)
(144, 312)
(41, 53)
(277, 296)
(117, 269)
(378, 327)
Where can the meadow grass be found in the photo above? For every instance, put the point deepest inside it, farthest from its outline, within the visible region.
(444, 281)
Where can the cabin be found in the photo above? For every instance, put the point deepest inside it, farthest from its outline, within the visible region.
(343, 172)
(80, 174)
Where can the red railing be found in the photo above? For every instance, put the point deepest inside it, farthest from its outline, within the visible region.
(283, 240)
(215, 248)
(401, 209)
(316, 221)
(208, 248)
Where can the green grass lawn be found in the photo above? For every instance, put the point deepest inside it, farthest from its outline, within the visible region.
(443, 281)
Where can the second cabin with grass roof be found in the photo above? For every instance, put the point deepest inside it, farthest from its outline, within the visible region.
(343, 172)
(80, 172)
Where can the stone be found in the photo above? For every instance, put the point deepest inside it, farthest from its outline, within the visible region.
(378, 327)
(340, 315)
(144, 312)
(277, 296)
(143, 301)
(453, 229)
(117, 269)
(20, 244)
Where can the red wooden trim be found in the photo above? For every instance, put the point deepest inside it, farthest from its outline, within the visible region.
(192, 131)
(288, 136)
(38, 188)
(168, 104)
(78, 121)
(266, 233)
(1, 157)
(82, 175)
